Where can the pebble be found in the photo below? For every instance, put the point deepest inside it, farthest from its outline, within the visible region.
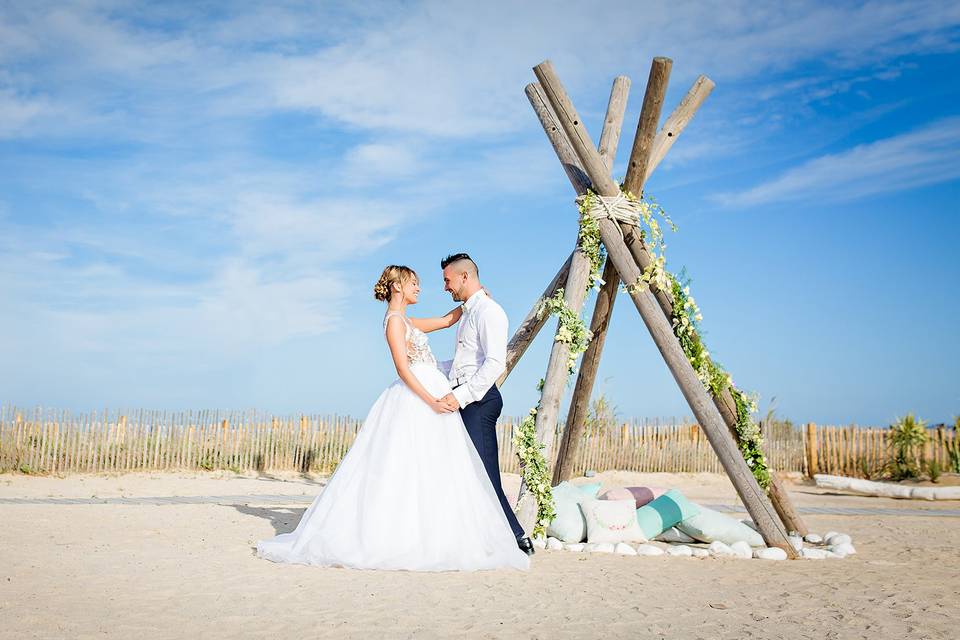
(796, 541)
(700, 552)
(829, 534)
(839, 538)
(553, 544)
(680, 550)
(814, 554)
(540, 543)
(720, 550)
(844, 548)
(601, 547)
(589, 473)
(574, 546)
(624, 549)
(770, 553)
(813, 538)
(649, 550)
(742, 549)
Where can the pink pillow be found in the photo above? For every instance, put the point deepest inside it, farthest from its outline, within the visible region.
(642, 495)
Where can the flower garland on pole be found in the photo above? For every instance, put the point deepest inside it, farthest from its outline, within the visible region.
(686, 327)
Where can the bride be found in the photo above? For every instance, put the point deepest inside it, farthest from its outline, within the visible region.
(412, 492)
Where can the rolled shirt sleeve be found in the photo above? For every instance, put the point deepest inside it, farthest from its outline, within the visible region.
(492, 326)
(445, 366)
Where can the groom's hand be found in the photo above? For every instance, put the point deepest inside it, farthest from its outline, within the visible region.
(450, 402)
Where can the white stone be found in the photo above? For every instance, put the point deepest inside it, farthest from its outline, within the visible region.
(574, 546)
(839, 538)
(720, 550)
(814, 554)
(601, 547)
(834, 556)
(796, 541)
(680, 550)
(742, 549)
(624, 549)
(770, 553)
(540, 543)
(649, 550)
(813, 538)
(750, 523)
(700, 552)
(829, 534)
(553, 544)
(844, 548)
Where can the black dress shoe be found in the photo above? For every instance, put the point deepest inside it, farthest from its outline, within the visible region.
(526, 545)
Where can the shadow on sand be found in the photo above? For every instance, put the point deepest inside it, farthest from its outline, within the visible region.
(283, 519)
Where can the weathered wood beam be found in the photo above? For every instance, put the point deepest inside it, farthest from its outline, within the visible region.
(647, 126)
(532, 324)
(677, 121)
(587, 376)
(575, 292)
(699, 400)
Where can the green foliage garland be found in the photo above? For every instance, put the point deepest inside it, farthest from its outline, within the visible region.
(574, 333)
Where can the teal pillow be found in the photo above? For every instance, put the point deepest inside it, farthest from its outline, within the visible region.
(664, 512)
(569, 525)
(713, 526)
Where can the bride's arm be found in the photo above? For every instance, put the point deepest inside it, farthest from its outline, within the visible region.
(397, 339)
(443, 322)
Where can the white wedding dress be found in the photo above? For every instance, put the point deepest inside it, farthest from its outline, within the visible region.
(410, 494)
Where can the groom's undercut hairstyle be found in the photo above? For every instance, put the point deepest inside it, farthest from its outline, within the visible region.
(461, 262)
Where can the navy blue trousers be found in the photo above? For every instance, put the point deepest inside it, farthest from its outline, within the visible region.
(480, 418)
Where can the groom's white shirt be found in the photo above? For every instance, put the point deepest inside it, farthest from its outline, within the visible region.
(481, 354)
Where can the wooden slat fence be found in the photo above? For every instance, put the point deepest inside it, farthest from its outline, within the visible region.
(58, 442)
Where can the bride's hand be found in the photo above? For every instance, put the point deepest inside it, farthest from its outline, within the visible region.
(440, 406)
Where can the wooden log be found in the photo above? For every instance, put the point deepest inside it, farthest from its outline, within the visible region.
(586, 377)
(531, 325)
(580, 402)
(647, 126)
(699, 400)
(575, 291)
(678, 120)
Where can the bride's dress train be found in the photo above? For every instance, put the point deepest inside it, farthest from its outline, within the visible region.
(410, 494)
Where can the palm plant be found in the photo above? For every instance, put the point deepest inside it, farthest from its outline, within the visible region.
(906, 439)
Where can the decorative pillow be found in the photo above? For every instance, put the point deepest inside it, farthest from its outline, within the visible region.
(641, 495)
(664, 512)
(611, 521)
(713, 526)
(675, 535)
(569, 525)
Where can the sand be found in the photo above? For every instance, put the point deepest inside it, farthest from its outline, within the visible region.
(189, 571)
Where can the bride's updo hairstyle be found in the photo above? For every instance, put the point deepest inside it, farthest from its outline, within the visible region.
(394, 274)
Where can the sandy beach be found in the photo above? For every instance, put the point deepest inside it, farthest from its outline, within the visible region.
(184, 567)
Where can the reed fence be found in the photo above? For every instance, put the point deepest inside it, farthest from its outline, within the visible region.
(58, 442)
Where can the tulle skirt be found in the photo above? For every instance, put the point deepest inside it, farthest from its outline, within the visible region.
(410, 494)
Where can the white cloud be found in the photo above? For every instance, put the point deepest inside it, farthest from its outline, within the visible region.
(929, 155)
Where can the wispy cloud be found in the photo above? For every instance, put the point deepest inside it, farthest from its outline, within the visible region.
(929, 155)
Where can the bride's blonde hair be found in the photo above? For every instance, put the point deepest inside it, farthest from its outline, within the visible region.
(393, 274)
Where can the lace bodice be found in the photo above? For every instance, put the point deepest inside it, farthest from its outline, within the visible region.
(418, 347)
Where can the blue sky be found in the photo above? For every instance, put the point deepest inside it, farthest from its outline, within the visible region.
(196, 198)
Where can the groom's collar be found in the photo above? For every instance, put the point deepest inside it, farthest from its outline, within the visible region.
(473, 300)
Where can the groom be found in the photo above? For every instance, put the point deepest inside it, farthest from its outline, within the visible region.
(480, 358)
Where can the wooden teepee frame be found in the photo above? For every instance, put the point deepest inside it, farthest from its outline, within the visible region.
(588, 168)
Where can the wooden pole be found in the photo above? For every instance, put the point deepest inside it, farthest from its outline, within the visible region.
(700, 402)
(574, 294)
(586, 377)
(677, 121)
(813, 465)
(532, 324)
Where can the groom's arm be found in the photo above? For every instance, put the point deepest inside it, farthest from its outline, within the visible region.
(445, 366)
(492, 327)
